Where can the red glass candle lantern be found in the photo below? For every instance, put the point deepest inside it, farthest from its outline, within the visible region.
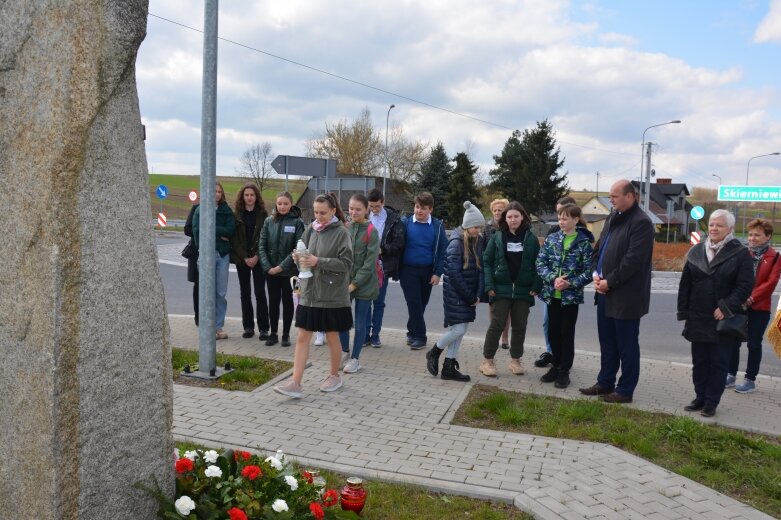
(353, 495)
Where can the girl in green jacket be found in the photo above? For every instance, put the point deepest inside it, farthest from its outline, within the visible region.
(325, 299)
(511, 282)
(364, 283)
(278, 239)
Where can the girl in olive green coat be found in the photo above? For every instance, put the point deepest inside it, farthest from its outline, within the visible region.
(365, 284)
(325, 298)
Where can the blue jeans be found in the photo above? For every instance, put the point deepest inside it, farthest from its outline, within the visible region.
(221, 266)
(709, 369)
(757, 323)
(374, 319)
(545, 328)
(361, 310)
(451, 339)
(416, 285)
(619, 345)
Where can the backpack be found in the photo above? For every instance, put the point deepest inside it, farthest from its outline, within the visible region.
(377, 263)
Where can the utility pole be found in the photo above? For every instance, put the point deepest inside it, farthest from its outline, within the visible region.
(597, 184)
(647, 194)
(207, 349)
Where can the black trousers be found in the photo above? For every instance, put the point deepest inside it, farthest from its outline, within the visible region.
(279, 290)
(709, 371)
(249, 279)
(561, 333)
(195, 301)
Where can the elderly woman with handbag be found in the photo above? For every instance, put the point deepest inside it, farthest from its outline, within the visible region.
(716, 282)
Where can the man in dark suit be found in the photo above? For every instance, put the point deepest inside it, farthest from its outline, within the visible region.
(622, 280)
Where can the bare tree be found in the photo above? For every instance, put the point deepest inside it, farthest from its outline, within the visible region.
(359, 148)
(355, 145)
(404, 155)
(255, 163)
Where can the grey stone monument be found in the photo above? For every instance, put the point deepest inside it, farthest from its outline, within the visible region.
(85, 378)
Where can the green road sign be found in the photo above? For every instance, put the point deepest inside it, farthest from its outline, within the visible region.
(750, 193)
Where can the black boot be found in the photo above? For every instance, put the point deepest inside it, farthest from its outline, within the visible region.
(432, 360)
(562, 380)
(550, 376)
(450, 371)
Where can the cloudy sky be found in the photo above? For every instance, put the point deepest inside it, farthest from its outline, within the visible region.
(601, 71)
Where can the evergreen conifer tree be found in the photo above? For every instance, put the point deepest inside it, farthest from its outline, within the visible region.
(435, 173)
(527, 170)
(462, 188)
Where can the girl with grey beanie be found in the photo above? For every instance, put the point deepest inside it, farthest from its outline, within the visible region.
(463, 289)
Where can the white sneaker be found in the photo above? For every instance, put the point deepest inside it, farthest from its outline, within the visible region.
(352, 366)
(331, 383)
(290, 389)
(319, 338)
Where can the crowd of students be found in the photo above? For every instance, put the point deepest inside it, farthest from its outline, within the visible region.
(500, 262)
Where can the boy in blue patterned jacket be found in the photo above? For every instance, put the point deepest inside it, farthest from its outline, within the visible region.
(564, 264)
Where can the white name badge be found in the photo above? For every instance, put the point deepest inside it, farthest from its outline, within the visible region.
(513, 247)
(290, 229)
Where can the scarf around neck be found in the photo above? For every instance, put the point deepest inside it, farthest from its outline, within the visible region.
(319, 227)
(711, 249)
(757, 253)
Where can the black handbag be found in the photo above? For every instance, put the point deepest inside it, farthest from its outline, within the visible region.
(735, 327)
(190, 251)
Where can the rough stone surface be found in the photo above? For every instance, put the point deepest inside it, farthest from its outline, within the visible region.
(86, 390)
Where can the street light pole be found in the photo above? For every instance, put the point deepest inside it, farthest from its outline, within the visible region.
(385, 169)
(748, 165)
(646, 197)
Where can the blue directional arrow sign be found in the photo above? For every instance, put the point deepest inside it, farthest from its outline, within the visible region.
(162, 191)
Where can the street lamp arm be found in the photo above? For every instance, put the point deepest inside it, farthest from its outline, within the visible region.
(647, 182)
(385, 169)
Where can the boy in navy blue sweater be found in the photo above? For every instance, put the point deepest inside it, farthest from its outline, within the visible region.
(422, 265)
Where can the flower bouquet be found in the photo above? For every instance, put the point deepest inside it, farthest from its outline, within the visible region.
(237, 485)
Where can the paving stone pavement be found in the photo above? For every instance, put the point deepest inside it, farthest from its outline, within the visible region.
(391, 421)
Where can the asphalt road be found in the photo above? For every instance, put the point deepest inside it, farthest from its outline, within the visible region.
(660, 333)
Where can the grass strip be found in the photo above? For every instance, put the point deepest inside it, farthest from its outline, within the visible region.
(742, 465)
(248, 374)
(408, 502)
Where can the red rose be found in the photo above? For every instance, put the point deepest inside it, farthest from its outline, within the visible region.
(307, 476)
(330, 498)
(316, 510)
(251, 472)
(184, 465)
(245, 455)
(236, 514)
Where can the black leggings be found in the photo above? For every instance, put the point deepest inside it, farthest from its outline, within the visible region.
(279, 290)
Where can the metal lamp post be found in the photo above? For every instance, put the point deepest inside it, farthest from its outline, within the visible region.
(647, 194)
(748, 165)
(385, 169)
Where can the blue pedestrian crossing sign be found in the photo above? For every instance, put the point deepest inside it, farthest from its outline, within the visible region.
(162, 191)
(697, 212)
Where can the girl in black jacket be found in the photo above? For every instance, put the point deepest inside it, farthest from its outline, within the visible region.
(463, 288)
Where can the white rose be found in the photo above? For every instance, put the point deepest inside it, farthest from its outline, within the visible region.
(280, 455)
(279, 505)
(213, 471)
(192, 455)
(184, 505)
(210, 456)
(292, 482)
(275, 463)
